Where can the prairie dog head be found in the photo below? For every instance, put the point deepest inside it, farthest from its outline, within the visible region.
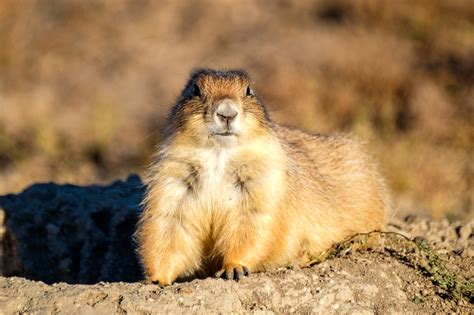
(218, 108)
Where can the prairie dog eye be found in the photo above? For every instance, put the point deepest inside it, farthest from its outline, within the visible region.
(196, 91)
(249, 91)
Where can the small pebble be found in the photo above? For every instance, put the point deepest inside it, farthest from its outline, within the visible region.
(467, 253)
(465, 233)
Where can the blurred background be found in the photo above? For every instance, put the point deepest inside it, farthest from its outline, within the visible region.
(86, 85)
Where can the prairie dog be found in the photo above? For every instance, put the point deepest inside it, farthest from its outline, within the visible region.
(232, 192)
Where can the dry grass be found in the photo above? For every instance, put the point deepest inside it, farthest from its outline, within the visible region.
(85, 85)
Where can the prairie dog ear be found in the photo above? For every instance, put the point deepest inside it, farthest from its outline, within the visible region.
(191, 90)
(196, 91)
(249, 91)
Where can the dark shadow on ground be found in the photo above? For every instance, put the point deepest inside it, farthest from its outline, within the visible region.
(66, 233)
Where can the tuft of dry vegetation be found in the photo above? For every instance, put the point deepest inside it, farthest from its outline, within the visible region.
(416, 253)
(85, 85)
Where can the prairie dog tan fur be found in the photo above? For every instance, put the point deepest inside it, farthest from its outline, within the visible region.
(231, 191)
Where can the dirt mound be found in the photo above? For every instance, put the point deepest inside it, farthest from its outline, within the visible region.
(72, 234)
(82, 235)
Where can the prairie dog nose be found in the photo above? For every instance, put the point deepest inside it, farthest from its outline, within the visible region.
(226, 111)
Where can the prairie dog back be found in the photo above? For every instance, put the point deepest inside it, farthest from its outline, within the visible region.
(232, 192)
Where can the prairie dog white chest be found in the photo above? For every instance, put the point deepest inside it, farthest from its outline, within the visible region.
(198, 181)
(216, 183)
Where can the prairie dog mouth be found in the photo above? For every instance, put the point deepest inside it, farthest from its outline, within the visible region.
(225, 134)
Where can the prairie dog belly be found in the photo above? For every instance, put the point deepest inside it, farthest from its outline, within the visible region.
(217, 195)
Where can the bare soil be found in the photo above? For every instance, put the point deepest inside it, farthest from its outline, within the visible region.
(369, 282)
